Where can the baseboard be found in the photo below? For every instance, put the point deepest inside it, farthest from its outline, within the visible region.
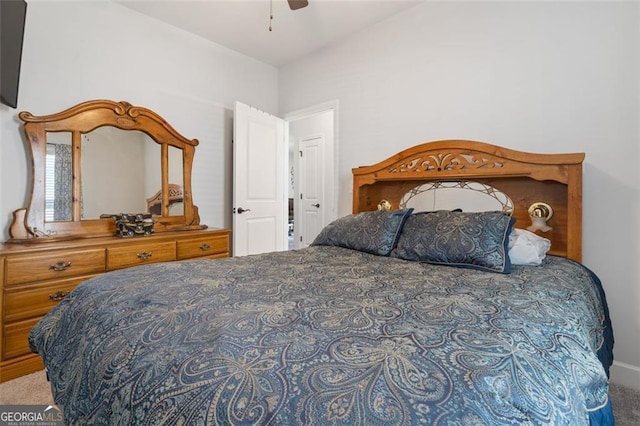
(625, 374)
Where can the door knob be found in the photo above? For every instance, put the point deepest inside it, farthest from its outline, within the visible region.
(316, 205)
(241, 210)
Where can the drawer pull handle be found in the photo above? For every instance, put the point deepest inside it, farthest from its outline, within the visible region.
(60, 266)
(58, 295)
(144, 255)
(205, 247)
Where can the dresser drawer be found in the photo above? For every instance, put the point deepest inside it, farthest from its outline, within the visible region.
(23, 302)
(16, 335)
(63, 264)
(140, 254)
(207, 246)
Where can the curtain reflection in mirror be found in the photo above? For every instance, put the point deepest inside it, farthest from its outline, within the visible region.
(58, 182)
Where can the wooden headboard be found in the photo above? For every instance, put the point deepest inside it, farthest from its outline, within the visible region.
(555, 179)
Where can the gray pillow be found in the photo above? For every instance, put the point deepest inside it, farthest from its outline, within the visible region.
(472, 240)
(372, 232)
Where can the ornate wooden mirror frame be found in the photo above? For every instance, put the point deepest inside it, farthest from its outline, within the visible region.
(30, 224)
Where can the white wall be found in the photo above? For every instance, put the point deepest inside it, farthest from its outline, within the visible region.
(77, 51)
(539, 76)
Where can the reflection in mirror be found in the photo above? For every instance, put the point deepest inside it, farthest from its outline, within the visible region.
(117, 167)
(126, 187)
(58, 177)
(468, 196)
(176, 207)
(175, 201)
(175, 188)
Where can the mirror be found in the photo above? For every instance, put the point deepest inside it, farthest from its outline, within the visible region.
(58, 177)
(102, 158)
(137, 160)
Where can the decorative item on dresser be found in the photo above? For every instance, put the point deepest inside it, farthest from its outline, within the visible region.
(89, 161)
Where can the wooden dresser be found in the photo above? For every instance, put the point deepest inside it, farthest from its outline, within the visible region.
(35, 277)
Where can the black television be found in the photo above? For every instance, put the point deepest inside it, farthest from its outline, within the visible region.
(12, 18)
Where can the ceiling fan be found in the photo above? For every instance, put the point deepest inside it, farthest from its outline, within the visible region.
(293, 5)
(297, 4)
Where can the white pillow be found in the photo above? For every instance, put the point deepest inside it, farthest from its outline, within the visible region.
(527, 248)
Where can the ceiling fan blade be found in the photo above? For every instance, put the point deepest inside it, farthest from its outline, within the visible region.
(298, 4)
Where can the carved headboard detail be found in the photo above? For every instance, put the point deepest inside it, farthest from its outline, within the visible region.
(555, 179)
(445, 161)
(154, 203)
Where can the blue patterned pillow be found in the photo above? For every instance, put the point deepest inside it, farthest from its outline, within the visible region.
(472, 240)
(373, 232)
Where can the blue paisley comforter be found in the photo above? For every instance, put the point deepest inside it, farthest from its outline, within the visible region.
(327, 335)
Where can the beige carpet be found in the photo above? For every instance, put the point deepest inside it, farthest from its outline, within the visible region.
(34, 389)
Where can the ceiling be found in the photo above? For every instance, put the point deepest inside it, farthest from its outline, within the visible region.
(243, 25)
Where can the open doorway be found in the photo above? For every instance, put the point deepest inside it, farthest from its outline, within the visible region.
(312, 141)
(279, 163)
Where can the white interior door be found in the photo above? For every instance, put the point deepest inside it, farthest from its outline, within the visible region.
(312, 136)
(312, 203)
(260, 159)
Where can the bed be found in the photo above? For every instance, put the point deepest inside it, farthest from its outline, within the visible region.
(392, 316)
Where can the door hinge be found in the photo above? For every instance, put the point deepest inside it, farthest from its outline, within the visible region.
(300, 153)
(300, 238)
(301, 195)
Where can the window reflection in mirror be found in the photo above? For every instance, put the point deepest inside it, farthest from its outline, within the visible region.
(58, 177)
